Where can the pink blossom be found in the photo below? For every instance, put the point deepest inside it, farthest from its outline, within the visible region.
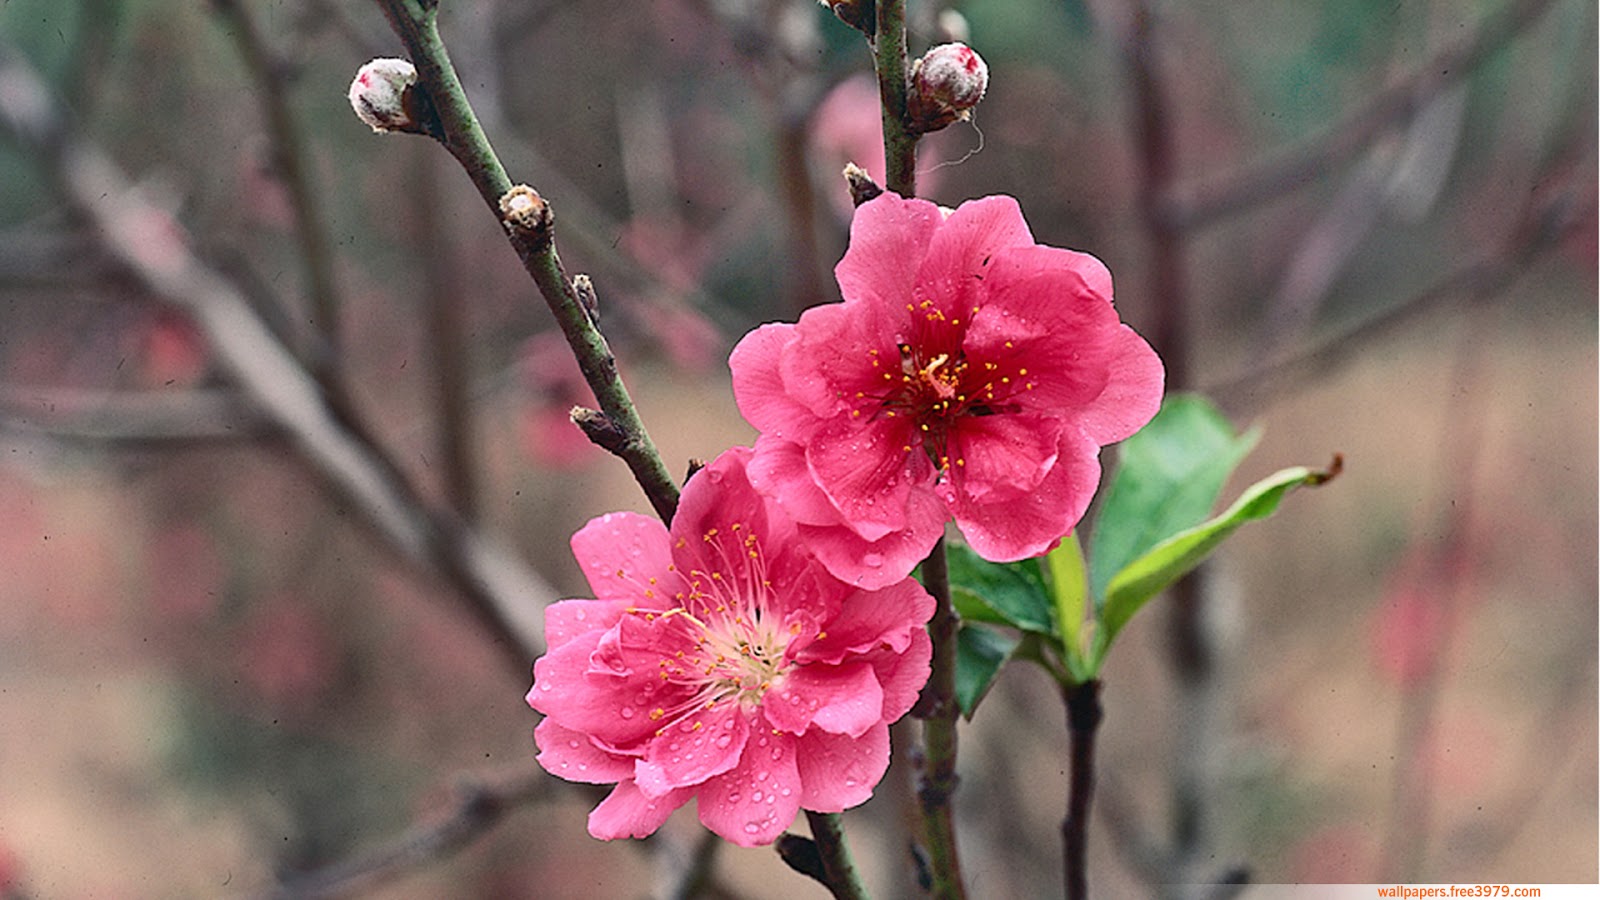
(969, 373)
(720, 662)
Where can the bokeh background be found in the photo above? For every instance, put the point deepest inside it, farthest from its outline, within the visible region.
(214, 676)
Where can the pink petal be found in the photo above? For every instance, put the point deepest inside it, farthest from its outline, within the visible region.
(628, 813)
(888, 238)
(839, 359)
(1042, 328)
(903, 675)
(1132, 395)
(569, 619)
(779, 471)
(839, 771)
(1011, 530)
(870, 619)
(724, 524)
(758, 799)
(688, 752)
(843, 699)
(866, 471)
(997, 458)
(607, 689)
(620, 553)
(569, 754)
(758, 386)
(871, 565)
(955, 271)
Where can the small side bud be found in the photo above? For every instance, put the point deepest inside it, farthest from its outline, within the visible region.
(583, 287)
(946, 83)
(862, 187)
(862, 15)
(524, 212)
(600, 429)
(383, 95)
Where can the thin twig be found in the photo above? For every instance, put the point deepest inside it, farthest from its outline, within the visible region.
(889, 60)
(292, 165)
(938, 707)
(133, 417)
(1193, 206)
(503, 594)
(480, 806)
(460, 133)
(843, 880)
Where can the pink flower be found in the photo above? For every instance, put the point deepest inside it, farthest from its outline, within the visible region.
(969, 372)
(722, 663)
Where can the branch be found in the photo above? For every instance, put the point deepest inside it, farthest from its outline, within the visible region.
(889, 59)
(480, 806)
(504, 595)
(1193, 206)
(938, 707)
(533, 240)
(290, 158)
(201, 414)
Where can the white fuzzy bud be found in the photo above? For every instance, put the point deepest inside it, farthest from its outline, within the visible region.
(946, 83)
(379, 95)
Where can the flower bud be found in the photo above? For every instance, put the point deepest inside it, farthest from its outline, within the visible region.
(524, 212)
(379, 95)
(946, 83)
(861, 15)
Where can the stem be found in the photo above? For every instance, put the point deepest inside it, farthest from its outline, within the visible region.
(459, 131)
(889, 59)
(1083, 724)
(844, 882)
(938, 707)
(291, 158)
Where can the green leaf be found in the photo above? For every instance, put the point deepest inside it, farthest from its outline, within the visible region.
(1069, 585)
(1146, 576)
(1003, 594)
(1169, 478)
(980, 652)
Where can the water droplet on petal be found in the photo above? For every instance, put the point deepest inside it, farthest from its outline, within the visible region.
(757, 797)
(573, 743)
(751, 828)
(872, 560)
(580, 615)
(627, 712)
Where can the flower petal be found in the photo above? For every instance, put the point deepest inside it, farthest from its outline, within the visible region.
(871, 565)
(693, 749)
(889, 236)
(757, 385)
(843, 699)
(867, 472)
(606, 689)
(996, 458)
(570, 754)
(903, 675)
(627, 812)
(1010, 530)
(752, 804)
(1132, 395)
(869, 619)
(570, 619)
(620, 552)
(955, 271)
(839, 771)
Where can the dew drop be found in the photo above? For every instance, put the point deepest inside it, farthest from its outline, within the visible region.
(583, 767)
(757, 797)
(733, 796)
(751, 828)
(785, 791)
(573, 743)
(627, 712)
(580, 615)
(872, 560)
(762, 775)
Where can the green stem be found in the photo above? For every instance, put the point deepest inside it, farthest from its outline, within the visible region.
(458, 129)
(938, 706)
(889, 59)
(827, 830)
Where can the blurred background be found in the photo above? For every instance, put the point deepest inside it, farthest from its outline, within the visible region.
(1367, 226)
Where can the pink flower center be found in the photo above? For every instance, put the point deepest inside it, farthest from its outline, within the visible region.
(729, 647)
(937, 387)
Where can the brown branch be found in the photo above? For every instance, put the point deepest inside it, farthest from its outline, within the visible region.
(503, 594)
(1196, 205)
(480, 805)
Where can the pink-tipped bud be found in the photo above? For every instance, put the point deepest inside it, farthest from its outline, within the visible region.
(946, 83)
(379, 95)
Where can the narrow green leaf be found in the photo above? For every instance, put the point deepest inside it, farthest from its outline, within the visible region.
(980, 652)
(1168, 479)
(1146, 576)
(1002, 593)
(1069, 585)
